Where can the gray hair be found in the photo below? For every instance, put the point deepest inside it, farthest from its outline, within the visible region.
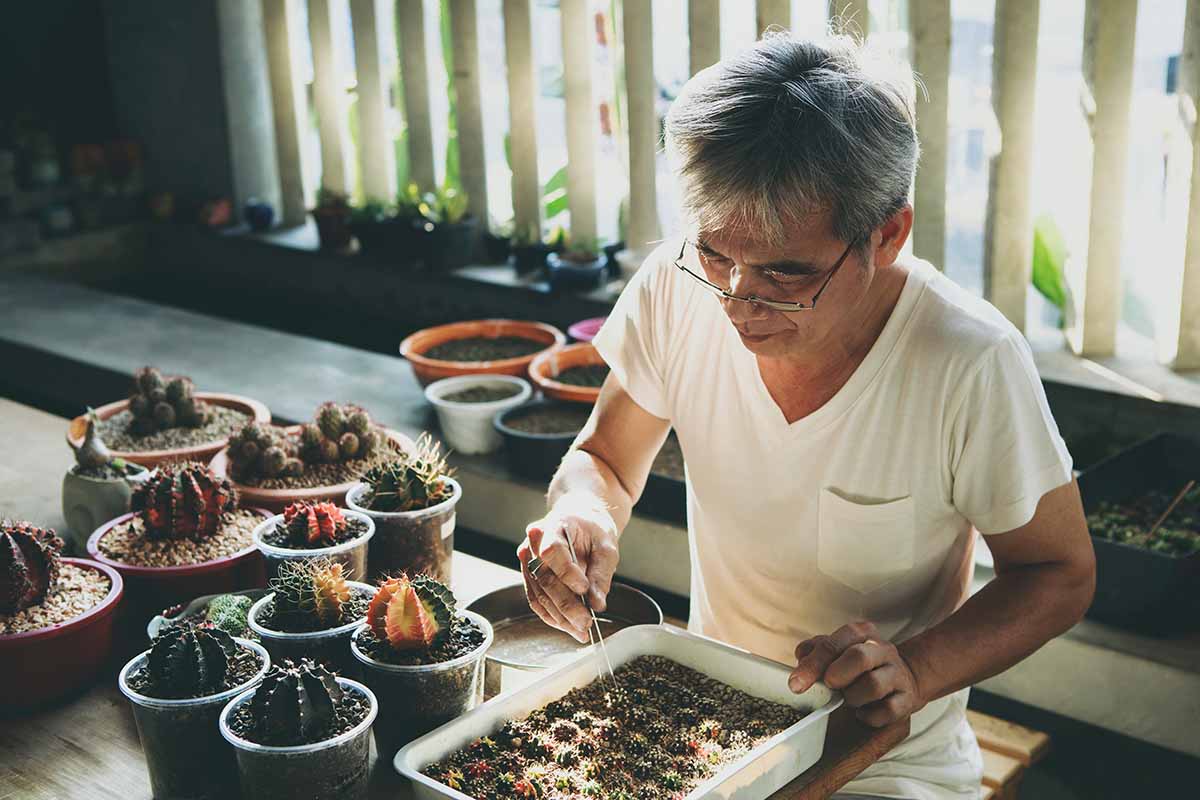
(792, 127)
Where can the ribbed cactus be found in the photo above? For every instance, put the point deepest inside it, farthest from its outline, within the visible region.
(158, 403)
(315, 589)
(411, 614)
(340, 433)
(259, 451)
(28, 565)
(228, 612)
(314, 523)
(190, 661)
(295, 704)
(183, 501)
(412, 481)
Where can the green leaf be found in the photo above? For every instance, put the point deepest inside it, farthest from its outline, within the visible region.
(1049, 260)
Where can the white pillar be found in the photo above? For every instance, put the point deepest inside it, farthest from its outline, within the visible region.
(329, 96)
(855, 15)
(929, 22)
(289, 106)
(772, 12)
(704, 34)
(471, 160)
(414, 69)
(1186, 344)
(522, 116)
(377, 158)
(643, 124)
(577, 33)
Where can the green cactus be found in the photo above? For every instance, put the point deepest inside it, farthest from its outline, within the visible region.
(229, 613)
(314, 590)
(190, 661)
(331, 420)
(413, 481)
(340, 433)
(258, 451)
(295, 704)
(158, 403)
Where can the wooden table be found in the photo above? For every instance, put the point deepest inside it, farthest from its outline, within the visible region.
(87, 747)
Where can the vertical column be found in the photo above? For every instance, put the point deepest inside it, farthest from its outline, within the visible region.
(704, 34)
(643, 124)
(522, 118)
(581, 117)
(288, 104)
(410, 30)
(464, 29)
(1008, 245)
(1109, 27)
(329, 96)
(772, 12)
(855, 15)
(1186, 347)
(377, 158)
(929, 21)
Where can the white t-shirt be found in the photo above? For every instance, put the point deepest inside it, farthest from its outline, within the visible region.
(864, 508)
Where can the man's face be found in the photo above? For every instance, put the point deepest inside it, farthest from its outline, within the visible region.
(793, 272)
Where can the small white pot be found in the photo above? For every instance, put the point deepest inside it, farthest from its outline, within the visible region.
(467, 427)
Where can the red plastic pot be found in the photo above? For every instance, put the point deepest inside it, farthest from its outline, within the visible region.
(39, 666)
(155, 588)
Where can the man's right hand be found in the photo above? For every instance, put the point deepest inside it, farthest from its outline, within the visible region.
(554, 593)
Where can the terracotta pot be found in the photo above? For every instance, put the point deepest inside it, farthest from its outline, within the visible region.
(276, 500)
(154, 588)
(42, 665)
(152, 458)
(547, 366)
(429, 370)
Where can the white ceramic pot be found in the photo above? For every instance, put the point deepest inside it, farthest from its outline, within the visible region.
(467, 427)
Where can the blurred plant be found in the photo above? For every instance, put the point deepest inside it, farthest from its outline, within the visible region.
(446, 206)
(1049, 260)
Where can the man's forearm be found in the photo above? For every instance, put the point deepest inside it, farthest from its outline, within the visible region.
(1015, 614)
(587, 479)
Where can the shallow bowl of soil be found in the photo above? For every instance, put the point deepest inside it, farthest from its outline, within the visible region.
(573, 373)
(230, 412)
(466, 405)
(274, 542)
(490, 346)
(337, 768)
(330, 646)
(162, 574)
(184, 752)
(326, 483)
(55, 648)
(419, 541)
(537, 435)
(417, 697)
(699, 719)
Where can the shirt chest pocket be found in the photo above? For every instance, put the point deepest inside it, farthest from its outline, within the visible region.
(865, 545)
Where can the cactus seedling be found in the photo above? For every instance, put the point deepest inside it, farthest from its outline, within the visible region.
(295, 704)
(411, 614)
(183, 501)
(318, 524)
(228, 612)
(313, 590)
(413, 481)
(190, 661)
(28, 565)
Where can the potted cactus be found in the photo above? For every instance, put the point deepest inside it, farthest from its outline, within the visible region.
(581, 265)
(306, 531)
(332, 215)
(53, 610)
(97, 488)
(321, 754)
(311, 611)
(177, 689)
(451, 233)
(186, 536)
(423, 658)
(319, 461)
(412, 501)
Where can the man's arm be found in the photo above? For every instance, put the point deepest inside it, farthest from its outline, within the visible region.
(591, 498)
(1045, 578)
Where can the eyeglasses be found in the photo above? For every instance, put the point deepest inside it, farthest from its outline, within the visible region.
(777, 305)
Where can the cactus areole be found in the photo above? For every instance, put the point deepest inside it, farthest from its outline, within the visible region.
(183, 501)
(411, 614)
(28, 565)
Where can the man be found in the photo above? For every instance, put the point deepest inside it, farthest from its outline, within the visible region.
(848, 418)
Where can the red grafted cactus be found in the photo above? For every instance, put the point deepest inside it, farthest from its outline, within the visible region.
(183, 501)
(28, 565)
(411, 614)
(314, 523)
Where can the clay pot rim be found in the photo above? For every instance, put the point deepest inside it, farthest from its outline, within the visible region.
(107, 605)
(539, 372)
(93, 548)
(196, 452)
(410, 343)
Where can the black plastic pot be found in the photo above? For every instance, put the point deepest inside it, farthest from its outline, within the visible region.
(394, 240)
(533, 455)
(333, 227)
(451, 246)
(610, 255)
(528, 259)
(1136, 588)
(566, 274)
(496, 248)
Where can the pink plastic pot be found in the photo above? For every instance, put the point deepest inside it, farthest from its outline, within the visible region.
(586, 329)
(156, 588)
(39, 666)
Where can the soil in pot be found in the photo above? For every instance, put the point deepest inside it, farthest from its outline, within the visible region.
(118, 434)
(483, 394)
(78, 590)
(111, 471)
(670, 729)
(591, 375)
(1130, 523)
(550, 419)
(128, 543)
(483, 348)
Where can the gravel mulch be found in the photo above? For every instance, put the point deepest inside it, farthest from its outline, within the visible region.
(244, 665)
(115, 431)
(484, 348)
(483, 394)
(560, 419)
(128, 544)
(318, 475)
(591, 376)
(280, 536)
(351, 710)
(464, 637)
(78, 590)
(663, 733)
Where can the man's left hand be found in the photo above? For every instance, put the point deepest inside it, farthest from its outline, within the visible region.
(872, 675)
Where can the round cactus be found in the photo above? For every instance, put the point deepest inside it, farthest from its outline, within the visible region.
(28, 565)
(314, 523)
(183, 501)
(314, 589)
(358, 422)
(411, 614)
(295, 704)
(348, 445)
(331, 420)
(273, 459)
(413, 481)
(190, 661)
(158, 403)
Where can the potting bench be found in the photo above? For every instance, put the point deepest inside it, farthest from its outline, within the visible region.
(87, 747)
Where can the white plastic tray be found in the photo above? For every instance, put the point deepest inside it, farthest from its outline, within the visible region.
(760, 773)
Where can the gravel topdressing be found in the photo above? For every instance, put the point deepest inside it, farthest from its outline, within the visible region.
(483, 394)
(318, 475)
(667, 730)
(464, 637)
(558, 419)
(484, 348)
(128, 544)
(79, 589)
(115, 431)
(244, 665)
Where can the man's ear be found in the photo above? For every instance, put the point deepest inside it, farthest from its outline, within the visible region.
(892, 236)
